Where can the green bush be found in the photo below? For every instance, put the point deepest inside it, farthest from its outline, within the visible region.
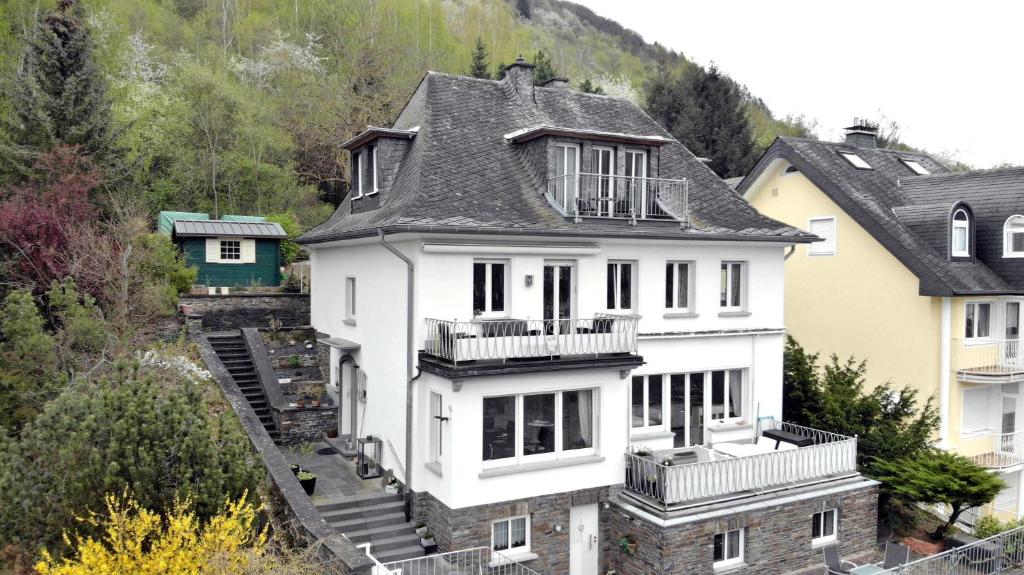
(289, 249)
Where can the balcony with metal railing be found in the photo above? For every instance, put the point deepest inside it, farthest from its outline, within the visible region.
(504, 341)
(675, 479)
(1001, 553)
(475, 561)
(982, 359)
(585, 195)
(993, 450)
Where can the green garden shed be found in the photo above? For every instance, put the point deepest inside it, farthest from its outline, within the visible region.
(231, 253)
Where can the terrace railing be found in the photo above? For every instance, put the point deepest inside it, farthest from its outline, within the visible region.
(476, 561)
(1002, 553)
(586, 195)
(680, 484)
(993, 450)
(989, 357)
(500, 340)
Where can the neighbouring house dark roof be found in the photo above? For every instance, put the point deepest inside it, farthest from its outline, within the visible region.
(909, 214)
(221, 228)
(460, 175)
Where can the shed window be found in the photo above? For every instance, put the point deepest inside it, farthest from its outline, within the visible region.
(1013, 237)
(961, 237)
(230, 250)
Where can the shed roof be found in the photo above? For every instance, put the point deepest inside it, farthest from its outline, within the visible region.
(221, 228)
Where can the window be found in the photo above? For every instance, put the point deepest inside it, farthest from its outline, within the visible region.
(620, 285)
(976, 320)
(915, 166)
(230, 250)
(567, 160)
(539, 425)
(824, 228)
(728, 549)
(823, 527)
(726, 394)
(357, 175)
(512, 535)
(1013, 237)
(371, 169)
(350, 300)
(437, 419)
(648, 401)
(490, 284)
(790, 170)
(961, 234)
(679, 286)
(855, 160)
(732, 285)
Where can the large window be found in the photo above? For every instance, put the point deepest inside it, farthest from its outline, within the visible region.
(823, 527)
(230, 250)
(728, 548)
(679, 286)
(511, 536)
(1013, 237)
(490, 284)
(726, 394)
(977, 319)
(732, 289)
(621, 280)
(648, 402)
(539, 425)
(824, 228)
(961, 238)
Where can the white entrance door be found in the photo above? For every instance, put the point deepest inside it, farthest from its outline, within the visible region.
(583, 539)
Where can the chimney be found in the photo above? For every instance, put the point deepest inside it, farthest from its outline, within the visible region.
(862, 134)
(519, 80)
(560, 83)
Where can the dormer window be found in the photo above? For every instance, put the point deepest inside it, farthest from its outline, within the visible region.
(357, 175)
(855, 160)
(915, 166)
(1013, 237)
(961, 235)
(371, 170)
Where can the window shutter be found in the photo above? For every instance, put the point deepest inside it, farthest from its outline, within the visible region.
(248, 251)
(212, 250)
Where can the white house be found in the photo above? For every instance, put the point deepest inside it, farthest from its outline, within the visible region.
(569, 331)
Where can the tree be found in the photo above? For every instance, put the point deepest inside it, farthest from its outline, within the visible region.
(479, 68)
(60, 97)
(289, 249)
(543, 70)
(704, 109)
(939, 477)
(801, 394)
(28, 362)
(588, 87)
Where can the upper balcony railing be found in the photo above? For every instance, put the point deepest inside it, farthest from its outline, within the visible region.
(993, 450)
(500, 340)
(989, 357)
(607, 196)
(717, 474)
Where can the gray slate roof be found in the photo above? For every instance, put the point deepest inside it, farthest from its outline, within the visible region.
(909, 214)
(460, 175)
(221, 228)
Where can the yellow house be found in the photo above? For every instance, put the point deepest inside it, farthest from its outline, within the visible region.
(920, 272)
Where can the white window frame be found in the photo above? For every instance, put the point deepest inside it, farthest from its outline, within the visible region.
(671, 278)
(519, 457)
(665, 411)
(1008, 233)
(563, 150)
(727, 285)
(822, 248)
(357, 178)
(373, 173)
(617, 285)
(855, 160)
(915, 166)
(729, 562)
(606, 206)
(489, 264)
(436, 430)
(709, 394)
(512, 551)
(350, 300)
(973, 336)
(220, 249)
(820, 520)
(965, 225)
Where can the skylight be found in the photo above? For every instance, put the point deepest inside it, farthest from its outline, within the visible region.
(915, 166)
(855, 160)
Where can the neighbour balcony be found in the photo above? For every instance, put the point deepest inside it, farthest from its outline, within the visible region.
(784, 455)
(506, 340)
(620, 197)
(993, 450)
(984, 358)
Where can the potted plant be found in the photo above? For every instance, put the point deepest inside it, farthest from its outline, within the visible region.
(627, 543)
(644, 451)
(295, 467)
(668, 461)
(314, 403)
(392, 486)
(308, 481)
(427, 540)
(332, 433)
(300, 403)
(421, 529)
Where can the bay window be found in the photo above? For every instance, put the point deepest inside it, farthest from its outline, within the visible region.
(977, 317)
(490, 284)
(539, 426)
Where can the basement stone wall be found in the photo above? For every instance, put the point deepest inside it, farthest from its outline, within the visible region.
(234, 311)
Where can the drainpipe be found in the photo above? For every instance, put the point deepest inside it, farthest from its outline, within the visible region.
(945, 368)
(792, 249)
(410, 275)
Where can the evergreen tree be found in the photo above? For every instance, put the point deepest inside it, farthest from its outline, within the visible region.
(60, 97)
(479, 68)
(499, 71)
(704, 109)
(543, 70)
(28, 361)
(588, 87)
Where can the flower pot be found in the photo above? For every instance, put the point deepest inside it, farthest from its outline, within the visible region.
(425, 542)
(295, 467)
(391, 488)
(308, 485)
(631, 549)
(300, 404)
(332, 433)
(315, 403)
(420, 531)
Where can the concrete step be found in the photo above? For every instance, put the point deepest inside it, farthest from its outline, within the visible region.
(362, 500)
(407, 552)
(258, 404)
(236, 362)
(371, 521)
(371, 534)
(393, 506)
(397, 542)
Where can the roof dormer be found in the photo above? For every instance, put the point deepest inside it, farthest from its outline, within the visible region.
(375, 155)
(961, 232)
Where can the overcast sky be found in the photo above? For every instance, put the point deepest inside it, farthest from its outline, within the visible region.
(950, 74)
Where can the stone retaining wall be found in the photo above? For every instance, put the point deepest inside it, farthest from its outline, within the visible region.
(306, 424)
(222, 312)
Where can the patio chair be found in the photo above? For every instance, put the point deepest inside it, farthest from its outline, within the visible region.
(896, 554)
(832, 562)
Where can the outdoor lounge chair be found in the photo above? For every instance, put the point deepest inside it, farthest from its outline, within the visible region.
(833, 563)
(895, 555)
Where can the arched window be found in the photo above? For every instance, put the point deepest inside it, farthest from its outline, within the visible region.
(961, 234)
(1013, 237)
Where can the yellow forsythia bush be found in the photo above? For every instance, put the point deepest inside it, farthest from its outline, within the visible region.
(137, 541)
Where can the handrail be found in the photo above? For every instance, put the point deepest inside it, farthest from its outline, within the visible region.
(591, 195)
(474, 560)
(398, 460)
(996, 554)
(989, 356)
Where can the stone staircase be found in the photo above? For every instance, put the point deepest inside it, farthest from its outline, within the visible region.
(377, 519)
(234, 354)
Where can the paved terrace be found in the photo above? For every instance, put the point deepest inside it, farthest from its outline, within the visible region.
(335, 475)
